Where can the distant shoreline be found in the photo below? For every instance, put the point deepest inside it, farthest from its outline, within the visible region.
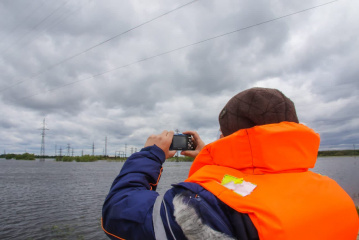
(338, 153)
(88, 158)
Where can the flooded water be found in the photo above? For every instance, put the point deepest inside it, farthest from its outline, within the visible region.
(63, 200)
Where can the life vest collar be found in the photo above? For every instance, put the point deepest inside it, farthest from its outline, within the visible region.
(270, 148)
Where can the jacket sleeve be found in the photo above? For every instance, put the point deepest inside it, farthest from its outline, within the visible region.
(127, 210)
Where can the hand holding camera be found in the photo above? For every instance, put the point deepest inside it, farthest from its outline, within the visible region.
(198, 144)
(182, 142)
(162, 141)
(189, 143)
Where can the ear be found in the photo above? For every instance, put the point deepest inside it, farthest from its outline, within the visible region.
(220, 134)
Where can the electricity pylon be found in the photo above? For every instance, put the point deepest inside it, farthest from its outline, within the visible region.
(43, 133)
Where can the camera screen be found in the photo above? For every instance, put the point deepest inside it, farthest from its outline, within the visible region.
(179, 141)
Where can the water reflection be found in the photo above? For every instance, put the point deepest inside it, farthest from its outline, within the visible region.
(46, 200)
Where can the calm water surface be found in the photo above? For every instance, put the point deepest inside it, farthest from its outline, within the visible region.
(59, 200)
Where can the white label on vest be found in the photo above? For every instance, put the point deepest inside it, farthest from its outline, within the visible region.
(238, 185)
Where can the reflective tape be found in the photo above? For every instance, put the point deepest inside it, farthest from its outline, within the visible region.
(159, 229)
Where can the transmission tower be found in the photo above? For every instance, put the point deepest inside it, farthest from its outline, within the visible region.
(43, 133)
(93, 148)
(105, 146)
(125, 149)
(68, 149)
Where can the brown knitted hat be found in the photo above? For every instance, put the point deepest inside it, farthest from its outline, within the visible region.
(256, 106)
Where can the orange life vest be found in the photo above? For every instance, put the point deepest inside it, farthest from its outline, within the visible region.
(288, 202)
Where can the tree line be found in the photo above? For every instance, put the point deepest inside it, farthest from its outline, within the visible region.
(338, 153)
(24, 156)
(90, 158)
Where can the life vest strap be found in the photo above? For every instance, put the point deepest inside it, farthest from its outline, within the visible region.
(158, 227)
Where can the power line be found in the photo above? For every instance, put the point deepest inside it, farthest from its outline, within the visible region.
(23, 20)
(177, 49)
(34, 27)
(64, 15)
(98, 44)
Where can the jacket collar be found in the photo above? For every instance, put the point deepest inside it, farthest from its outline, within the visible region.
(271, 148)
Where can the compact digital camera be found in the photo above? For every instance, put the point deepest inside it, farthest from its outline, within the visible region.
(182, 142)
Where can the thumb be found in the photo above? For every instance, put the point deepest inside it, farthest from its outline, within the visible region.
(171, 153)
(189, 153)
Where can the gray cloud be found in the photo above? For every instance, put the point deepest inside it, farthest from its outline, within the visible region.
(109, 91)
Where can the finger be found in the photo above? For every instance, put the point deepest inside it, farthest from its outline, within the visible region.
(171, 153)
(170, 133)
(189, 132)
(189, 153)
(193, 133)
(196, 136)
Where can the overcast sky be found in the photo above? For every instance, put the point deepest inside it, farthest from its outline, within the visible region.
(128, 69)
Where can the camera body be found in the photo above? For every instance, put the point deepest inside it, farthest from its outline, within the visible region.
(182, 142)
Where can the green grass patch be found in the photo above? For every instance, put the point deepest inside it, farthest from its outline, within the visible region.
(336, 153)
(180, 159)
(24, 156)
(85, 158)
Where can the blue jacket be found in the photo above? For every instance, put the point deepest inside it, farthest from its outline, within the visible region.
(127, 210)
